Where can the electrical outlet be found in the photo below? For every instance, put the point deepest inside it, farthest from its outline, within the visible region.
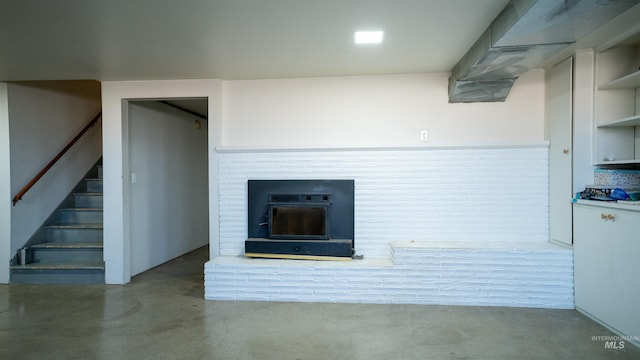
(424, 135)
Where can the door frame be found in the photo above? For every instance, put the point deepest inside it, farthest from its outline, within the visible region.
(559, 113)
(147, 250)
(115, 116)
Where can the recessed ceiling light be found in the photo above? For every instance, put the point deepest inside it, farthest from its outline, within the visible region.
(368, 37)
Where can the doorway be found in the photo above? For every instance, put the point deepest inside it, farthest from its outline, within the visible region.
(168, 179)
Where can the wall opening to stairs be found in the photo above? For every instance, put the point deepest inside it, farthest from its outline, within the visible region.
(39, 119)
(168, 180)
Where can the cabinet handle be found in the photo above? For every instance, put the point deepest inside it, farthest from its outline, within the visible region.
(607, 217)
(565, 151)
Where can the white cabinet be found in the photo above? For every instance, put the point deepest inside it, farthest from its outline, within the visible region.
(607, 265)
(617, 103)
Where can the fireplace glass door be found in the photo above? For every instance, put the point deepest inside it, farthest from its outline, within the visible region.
(298, 221)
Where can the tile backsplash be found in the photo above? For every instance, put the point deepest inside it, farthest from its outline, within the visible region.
(616, 177)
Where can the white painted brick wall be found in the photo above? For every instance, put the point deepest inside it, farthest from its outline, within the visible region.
(465, 194)
(469, 226)
(448, 273)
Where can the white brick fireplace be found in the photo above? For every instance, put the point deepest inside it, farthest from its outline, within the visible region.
(458, 225)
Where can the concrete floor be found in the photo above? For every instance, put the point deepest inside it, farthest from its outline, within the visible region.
(162, 314)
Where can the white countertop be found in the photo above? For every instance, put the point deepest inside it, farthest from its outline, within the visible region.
(623, 205)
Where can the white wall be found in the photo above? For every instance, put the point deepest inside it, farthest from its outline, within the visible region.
(5, 187)
(169, 207)
(43, 118)
(376, 111)
(115, 98)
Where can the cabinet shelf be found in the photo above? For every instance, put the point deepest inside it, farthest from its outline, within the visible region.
(616, 116)
(628, 121)
(629, 81)
(619, 164)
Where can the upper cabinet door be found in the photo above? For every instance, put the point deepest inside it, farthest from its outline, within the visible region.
(559, 99)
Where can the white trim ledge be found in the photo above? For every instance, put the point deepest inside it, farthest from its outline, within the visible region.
(238, 149)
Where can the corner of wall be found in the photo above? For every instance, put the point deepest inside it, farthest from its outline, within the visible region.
(5, 187)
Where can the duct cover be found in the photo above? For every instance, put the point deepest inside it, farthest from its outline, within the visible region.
(525, 34)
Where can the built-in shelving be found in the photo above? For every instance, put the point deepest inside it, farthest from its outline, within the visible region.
(629, 81)
(628, 121)
(617, 103)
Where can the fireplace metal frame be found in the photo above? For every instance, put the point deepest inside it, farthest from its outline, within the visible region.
(336, 196)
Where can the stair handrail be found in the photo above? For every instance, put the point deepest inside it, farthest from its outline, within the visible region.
(44, 170)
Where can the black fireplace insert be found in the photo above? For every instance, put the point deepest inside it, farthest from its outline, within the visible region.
(300, 218)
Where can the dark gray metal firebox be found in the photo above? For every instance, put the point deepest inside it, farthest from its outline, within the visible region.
(300, 218)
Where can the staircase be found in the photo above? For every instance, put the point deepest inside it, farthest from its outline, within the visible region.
(68, 248)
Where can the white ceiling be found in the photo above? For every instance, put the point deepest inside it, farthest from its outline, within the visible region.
(233, 39)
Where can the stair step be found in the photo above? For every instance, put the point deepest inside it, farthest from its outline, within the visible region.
(95, 265)
(74, 232)
(80, 216)
(58, 273)
(88, 194)
(81, 209)
(69, 245)
(94, 185)
(65, 252)
(88, 200)
(75, 226)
